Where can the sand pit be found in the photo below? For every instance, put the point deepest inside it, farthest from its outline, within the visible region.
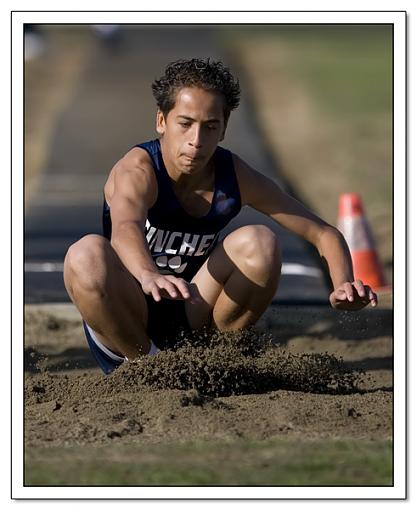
(308, 373)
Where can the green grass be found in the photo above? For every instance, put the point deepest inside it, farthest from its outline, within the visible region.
(348, 68)
(273, 462)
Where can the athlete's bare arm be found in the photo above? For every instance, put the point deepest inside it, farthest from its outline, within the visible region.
(267, 197)
(130, 191)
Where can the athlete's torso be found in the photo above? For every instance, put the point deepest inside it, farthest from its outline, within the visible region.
(179, 242)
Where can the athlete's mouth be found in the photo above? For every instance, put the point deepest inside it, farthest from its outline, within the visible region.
(194, 157)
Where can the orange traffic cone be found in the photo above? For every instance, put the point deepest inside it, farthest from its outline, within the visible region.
(357, 232)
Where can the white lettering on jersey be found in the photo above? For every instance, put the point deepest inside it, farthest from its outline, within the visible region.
(159, 240)
(150, 233)
(188, 245)
(170, 242)
(163, 243)
(204, 244)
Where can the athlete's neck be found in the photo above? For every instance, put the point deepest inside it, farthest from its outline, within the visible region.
(199, 178)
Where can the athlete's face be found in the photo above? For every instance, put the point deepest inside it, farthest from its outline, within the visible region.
(192, 129)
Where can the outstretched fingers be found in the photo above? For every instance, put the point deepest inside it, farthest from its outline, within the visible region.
(181, 287)
(188, 291)
(354, 295)
(171, 287)
(360, 288)
(365, 292)
(348, 288)
(155, 292)
(372, 296)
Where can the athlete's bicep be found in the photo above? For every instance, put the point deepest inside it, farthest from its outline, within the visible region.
(266, 196)
(134, 193)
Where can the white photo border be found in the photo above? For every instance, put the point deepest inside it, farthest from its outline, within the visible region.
(398, 19)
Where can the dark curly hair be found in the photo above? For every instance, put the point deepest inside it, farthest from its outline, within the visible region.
(196, 72)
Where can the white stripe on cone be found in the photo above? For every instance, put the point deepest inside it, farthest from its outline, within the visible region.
(356, 232)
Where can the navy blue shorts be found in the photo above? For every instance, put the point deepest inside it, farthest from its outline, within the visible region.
(106, 361)
(166, 319)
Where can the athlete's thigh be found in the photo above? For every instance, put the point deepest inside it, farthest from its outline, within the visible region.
(124, 289)
(209, 282)
(94, 264)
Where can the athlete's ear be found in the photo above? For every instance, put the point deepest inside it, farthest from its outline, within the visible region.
(160, 122)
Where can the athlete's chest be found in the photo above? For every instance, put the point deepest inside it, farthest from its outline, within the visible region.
(196, 203)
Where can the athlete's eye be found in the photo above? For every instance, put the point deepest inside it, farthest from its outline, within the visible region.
(212, 126)
(185, 124)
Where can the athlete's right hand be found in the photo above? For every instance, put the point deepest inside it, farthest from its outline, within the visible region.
(166, 286)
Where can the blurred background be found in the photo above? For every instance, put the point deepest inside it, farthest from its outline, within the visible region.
(316, 114)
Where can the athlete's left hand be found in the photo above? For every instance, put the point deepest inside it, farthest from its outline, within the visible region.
(353, 296)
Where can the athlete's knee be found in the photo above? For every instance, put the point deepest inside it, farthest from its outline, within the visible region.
(259, 246)
(85, 261)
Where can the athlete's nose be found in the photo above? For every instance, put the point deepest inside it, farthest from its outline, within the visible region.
(196, 137)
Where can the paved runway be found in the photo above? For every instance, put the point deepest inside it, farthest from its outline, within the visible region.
(112, 110)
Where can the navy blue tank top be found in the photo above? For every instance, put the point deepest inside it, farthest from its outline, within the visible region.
(180, 243)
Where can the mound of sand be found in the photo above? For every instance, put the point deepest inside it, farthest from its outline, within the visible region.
(313, 382)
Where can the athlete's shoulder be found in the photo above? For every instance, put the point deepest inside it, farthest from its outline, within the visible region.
(137, 157)
(242, 168)
(132, 173)
(249, 179)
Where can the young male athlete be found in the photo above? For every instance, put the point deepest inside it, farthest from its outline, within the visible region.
(159, 266)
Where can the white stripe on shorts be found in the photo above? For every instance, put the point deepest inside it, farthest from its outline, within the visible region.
(154, 349)
(103, 348)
